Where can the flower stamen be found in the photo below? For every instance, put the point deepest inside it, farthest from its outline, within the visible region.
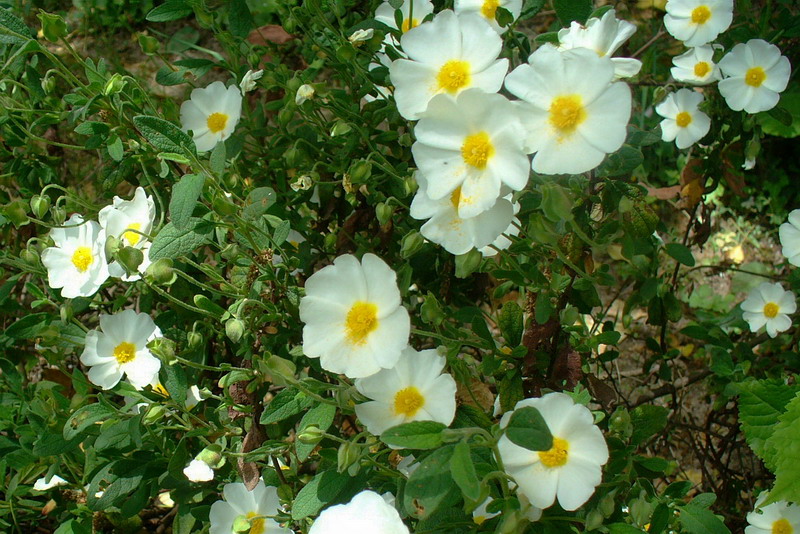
(216, 122)
(755, 76)
(477, 150)
(362, 319)
(125, 352)
(701, 14)
(557, 455)
(82, 258)
(408, 401)
(454, 76)
(771, 310)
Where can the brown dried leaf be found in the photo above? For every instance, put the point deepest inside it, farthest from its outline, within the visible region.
(271, 33)
(249, 470)
(477, 394)
(567, 368)
(664, 193)
(601, 391)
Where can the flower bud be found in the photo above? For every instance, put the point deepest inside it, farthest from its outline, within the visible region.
(360, 171)
(234, 329)
(40, 205)
(411, 244)
(66, 312)
(211, 455)
(160, 271)
(30, 257)
(48, 84)
(53, 26)
(304, 92)
(241, 524)
(340, 128)
(383, 212)
(112, 246)
(311, 435)
(130, 258)
(154, 414)
(148, 44)
(347, 455)
(468, 263)
(114, 85)
(194, 339)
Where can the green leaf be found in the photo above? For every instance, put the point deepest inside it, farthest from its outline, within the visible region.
(510, 390)
(623, 161)
(569, 10)
(320, 416)
(510, 322)
(287, 403)
(11, 23)
(431, 485)
(239, 18)
(169, 10)
(115, 148)
(531, 8)
(680, 253)
(698, 520)
(184, 198)
(623, 528)
(281, 233)
(325, 488)
(172, 243)
(647, 420)
(761, 403)
(784, 447)
(175, 382)
(528, 429)
(463, 471)
(258, 202)
(28, 327)
(84, 417)
(164, 135)
(217, 159)
(556, 203)
(415, 435)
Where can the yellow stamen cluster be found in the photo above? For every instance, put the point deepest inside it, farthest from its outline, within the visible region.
(256, 525)
(477, 150)
(125, 352)
(82, 258)
(771, 310)
(701, 14)
(567, 113)
(755, 76)
(216, 122)
(557, 455)
(701, 68)
(454, 76)
(408, 24)
(408, 401)
(683, 119)
(489, 8)
(132, 237)
(362, 319)
(782, 526)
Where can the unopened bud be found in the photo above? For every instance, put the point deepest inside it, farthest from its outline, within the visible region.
(411, 244)
(311, 435)
(30, 257)
(160, 271)
(347, 455)
(154, 414)
(148, 44)
(53, 26)
(360, 171)
(212, 455)
(383, 212)
(114, 85)
(40, 205)
(241, 524)
(130, 258)
(234, 329)
(194, 339)
(112, 246)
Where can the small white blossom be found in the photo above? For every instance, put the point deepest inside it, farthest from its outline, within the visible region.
(359, 36)
(249, 80)
(43, 484)
(304, 92)
(769, 305)
(755, 73)
(198, 471)
(789, 233)
(211, 114)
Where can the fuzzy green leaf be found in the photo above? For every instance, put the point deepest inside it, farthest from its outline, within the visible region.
(784, 447)
(760, 405)
(527, 428)
(415, 435)
(164, 135)
(173, 243)
(184, 198)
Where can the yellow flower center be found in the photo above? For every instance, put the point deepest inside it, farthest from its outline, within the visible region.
(362, 319)
(132, 237)
(771, 310)
(216, 122)
(408, 24)
(256, 525)
(701, 68)
(408, 401)
(782, 526)
(455, 197)
(489, 8)
(82, 258)
(755, 77)
(161, 390)
(125, 352)
(557, 455)
(567, 113)
(479, 519)
(701, 14)
(683, 119)
(454, 75)
(477, 150)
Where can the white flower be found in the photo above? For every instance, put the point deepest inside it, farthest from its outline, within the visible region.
(447, 55)
(354, 321)
(259, 506)
(571, 469)
(473, 142)
(120, 348)
(43, 484)
(124, 219)
(413, 11)
(480, 515)
(683, 121)
(488, 10)
(603, 35)
(408, 465)
(415, 389)
(455, 234)
(574, 113)
(249, 80)
(697, 22)
(755, 73)
(198, 471)
(194, 397)
(789, 233)
(77, 263)
(777, 518)
(211, 114)
(503, 242)
(769, 305)
(359, 36)
(366, 512)
(304, 92)
(696, 66)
